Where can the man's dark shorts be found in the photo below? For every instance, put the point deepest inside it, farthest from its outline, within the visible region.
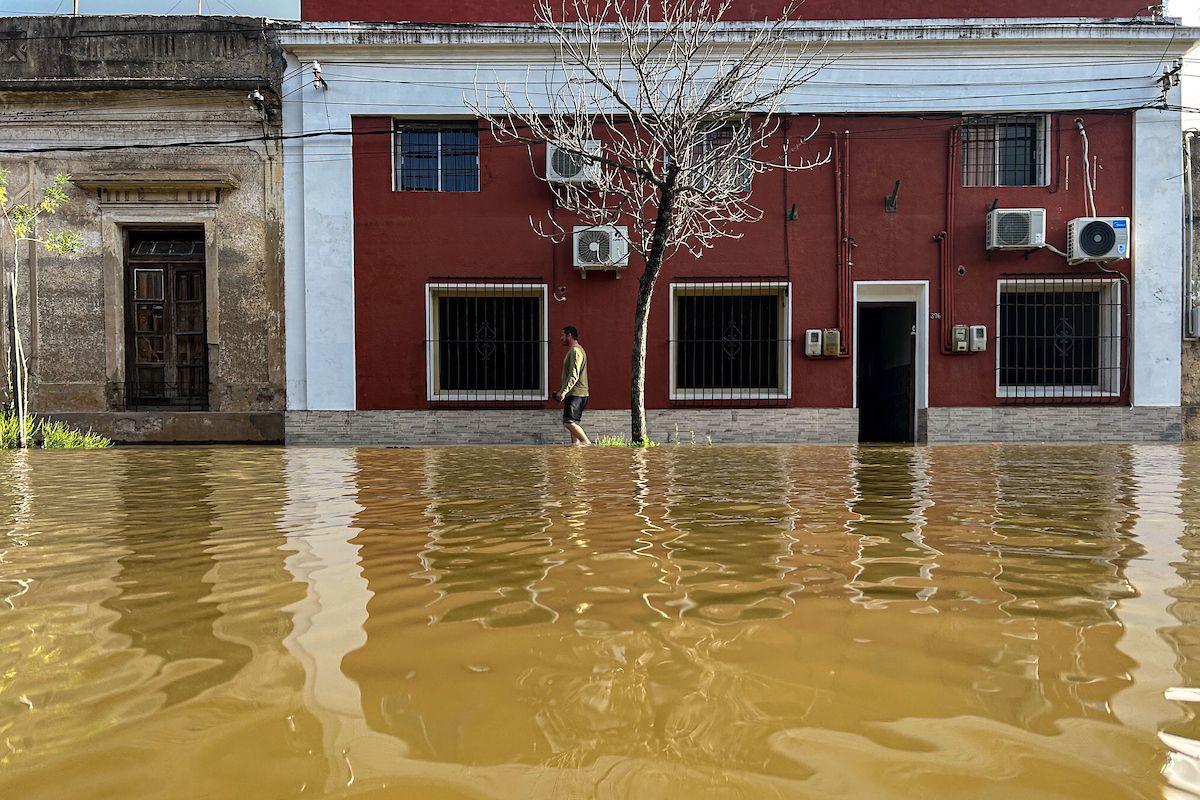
(573, 409)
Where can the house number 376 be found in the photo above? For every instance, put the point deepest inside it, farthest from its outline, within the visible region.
(935, 315)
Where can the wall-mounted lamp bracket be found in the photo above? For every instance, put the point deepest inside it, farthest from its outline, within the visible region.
(889, 202)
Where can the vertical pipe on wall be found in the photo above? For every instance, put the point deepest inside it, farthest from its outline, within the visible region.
(838, 208)
(847, 249)
(841, 161)
(787, 208)
(946, 237)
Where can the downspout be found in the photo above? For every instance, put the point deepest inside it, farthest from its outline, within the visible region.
(841, 162)
(838, 224)
(848, 250)
(946, 243)
(1191, 297)
(787, 208)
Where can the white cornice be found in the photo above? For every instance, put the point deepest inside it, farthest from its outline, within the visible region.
(1177, 38)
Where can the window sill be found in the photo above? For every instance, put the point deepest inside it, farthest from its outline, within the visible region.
(1055, 392)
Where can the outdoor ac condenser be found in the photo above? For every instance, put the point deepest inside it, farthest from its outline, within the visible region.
(1016, 228)
(566, 167)
(1100, 239)
(600, 246)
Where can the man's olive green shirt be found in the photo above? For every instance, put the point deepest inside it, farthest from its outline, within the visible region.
(574, 373)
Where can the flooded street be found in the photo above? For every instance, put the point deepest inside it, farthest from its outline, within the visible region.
(518, 623)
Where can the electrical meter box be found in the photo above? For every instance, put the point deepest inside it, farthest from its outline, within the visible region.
(978, 338)
(831, 344)
(812, 342)
(960, 339)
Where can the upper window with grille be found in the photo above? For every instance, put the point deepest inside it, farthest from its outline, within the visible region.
(1004, 151)
(436, 157)
(721, 160)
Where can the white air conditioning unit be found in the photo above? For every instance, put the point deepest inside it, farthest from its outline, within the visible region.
(601, 246)
(563, 166)
(1016, 228)
(1097, 239)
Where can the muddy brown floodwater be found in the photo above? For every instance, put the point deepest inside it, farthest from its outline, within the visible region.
(525, 623)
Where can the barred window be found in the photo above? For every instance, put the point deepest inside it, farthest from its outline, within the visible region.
(1059, 338)
(1004, 151)
(722, 158)
(436, 157)
(730, 341)
(486, 341)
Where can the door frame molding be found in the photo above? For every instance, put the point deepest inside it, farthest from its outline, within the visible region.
(113, 222)
(893, 292)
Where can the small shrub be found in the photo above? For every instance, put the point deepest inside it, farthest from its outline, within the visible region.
(621, 441)
(10, 429)
(49, 434)
(61, 436)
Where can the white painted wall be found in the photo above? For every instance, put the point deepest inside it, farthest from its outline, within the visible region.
(1158, 255)
(874, 67)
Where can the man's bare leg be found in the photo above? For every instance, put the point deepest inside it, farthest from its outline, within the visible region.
(578, 437)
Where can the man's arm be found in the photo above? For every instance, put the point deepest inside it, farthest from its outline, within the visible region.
(575, 368)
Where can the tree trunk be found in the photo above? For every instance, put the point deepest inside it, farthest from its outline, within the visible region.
(17, 379)
(641, 315)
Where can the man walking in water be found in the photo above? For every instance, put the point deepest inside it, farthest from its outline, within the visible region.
(574, 392)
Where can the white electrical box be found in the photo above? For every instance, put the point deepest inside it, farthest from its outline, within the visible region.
(812, 342)
(831, 344)
(960, 339)
(978, 338)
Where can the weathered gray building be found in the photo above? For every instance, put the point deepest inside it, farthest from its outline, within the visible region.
(168, 326)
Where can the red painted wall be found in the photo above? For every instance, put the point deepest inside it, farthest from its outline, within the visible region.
(404, 239)
(521, 10)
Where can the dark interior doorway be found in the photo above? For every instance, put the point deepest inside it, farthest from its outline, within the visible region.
(887, 379)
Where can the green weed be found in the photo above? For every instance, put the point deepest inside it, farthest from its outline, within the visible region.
(621, 441)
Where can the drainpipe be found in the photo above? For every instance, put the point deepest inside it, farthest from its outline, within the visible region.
(946, 243)
(1191, 292)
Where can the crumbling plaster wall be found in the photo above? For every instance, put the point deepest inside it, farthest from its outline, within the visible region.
(1190, 394)
(157, 81)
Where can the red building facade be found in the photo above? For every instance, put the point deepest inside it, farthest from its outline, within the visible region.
(887, 243)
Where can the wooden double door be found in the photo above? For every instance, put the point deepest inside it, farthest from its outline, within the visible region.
(166, 344)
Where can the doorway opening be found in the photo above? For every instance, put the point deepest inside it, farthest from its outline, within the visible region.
(166, 344)
(886, 378)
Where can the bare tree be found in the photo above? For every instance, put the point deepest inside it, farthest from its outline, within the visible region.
(685, 106)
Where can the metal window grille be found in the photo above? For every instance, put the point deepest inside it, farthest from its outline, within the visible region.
(487, 344)
(1061, 339)
(436, 157)
(730, 343)
(1004, 151)
(739, 173)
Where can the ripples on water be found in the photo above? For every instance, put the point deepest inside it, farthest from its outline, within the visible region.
(693, 622)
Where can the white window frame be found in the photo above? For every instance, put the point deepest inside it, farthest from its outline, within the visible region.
(785, 372)
(1107, 287)
(1043, 123)
(438, 125)
(432, 392)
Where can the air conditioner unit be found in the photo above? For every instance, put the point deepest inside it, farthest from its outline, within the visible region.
(563, 166)
(1097, 239)
(1016, 228)
(601, 246)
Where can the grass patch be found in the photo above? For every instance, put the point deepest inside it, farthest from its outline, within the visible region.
(621, 441)
(49, 434)
(10, 429)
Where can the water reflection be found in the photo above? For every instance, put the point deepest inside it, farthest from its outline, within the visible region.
(544, 622)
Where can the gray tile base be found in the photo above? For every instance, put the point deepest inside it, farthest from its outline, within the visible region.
(1054, 424)
(544, 426)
